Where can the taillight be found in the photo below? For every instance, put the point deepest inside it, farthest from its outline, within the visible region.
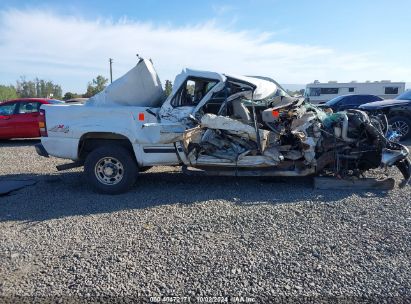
(42, 123)
(141, 116)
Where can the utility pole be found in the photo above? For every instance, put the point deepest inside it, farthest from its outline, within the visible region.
(111, 69)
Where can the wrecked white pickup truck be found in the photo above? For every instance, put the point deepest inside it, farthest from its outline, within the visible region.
(211, 124)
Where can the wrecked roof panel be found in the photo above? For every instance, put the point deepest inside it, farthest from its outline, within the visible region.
(186, 73)
(263, 88)
(140, 86)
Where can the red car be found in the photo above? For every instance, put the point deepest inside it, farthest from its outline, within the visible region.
(18, 117)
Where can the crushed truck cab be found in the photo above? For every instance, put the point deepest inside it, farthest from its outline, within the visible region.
(212, 124)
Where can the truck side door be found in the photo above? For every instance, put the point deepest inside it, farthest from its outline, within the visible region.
(179, 106)
(175, 112)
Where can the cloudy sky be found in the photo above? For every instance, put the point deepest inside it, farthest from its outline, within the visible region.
(291, 41)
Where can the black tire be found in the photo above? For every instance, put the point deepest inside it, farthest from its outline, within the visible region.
(110, 169)
(402, 124)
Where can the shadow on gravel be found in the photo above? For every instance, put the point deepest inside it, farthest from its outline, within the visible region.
(19, 142)
(67, 194)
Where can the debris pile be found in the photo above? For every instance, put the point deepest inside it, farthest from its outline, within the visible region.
(291, 135)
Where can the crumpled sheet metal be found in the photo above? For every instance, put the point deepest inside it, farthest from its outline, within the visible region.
(212, 121)
(161, 133)
(309, 151)
(293, 154)
(140, 86)
(303, 123)
(223, 145)
(192, 135)
(246, 161)
(274, 153)
(263, 87)
(299, 128)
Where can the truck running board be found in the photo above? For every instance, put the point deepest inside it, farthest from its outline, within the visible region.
(70, 166)
(245, 172)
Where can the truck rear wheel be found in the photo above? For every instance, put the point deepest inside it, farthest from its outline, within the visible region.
(110, 169)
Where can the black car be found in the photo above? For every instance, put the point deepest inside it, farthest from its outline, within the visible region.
(352, 101)
(398, 112)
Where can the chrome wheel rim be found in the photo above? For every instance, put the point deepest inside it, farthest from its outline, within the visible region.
(401, 127)
(109, 171)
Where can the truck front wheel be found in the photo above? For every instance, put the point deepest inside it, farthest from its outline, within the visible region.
(110, 169)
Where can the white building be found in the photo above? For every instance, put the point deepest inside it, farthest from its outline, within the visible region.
(321, 92)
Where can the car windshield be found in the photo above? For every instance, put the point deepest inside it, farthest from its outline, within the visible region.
(405, 96)
(333, 101)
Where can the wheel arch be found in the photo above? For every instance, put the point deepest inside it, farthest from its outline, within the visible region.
(92, 140)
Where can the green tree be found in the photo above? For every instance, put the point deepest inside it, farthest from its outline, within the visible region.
(26, 88)
(168, 87)
(38, 88)
(97, 85)
(7, 92)
(70, 95)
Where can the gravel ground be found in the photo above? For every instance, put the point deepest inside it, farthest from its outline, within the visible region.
(174, 235)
